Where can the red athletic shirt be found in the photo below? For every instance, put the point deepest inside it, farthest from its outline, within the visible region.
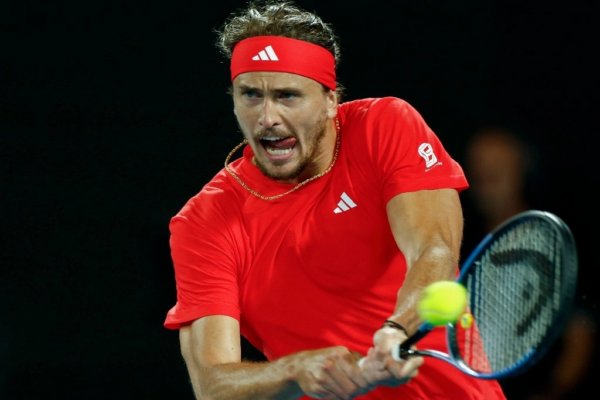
(318, 267)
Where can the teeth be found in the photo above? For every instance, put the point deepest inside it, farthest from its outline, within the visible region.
(278, 152)
(271, 138)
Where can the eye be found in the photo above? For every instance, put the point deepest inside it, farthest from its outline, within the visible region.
(251, 94)
(288, 95)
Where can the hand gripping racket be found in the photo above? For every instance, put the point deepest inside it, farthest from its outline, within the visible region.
(521, 282)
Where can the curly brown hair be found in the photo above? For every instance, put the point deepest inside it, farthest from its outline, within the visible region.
(278, 18)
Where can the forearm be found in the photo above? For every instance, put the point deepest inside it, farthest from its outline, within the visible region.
(437, 263)
(427, 226)
(211, 349)
(246, 381)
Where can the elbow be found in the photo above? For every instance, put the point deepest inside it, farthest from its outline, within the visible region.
(200, 381)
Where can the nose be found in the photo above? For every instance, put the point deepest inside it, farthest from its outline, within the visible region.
(269, 115)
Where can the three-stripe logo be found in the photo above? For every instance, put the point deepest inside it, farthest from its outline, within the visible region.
(268, 54)
(345, 204)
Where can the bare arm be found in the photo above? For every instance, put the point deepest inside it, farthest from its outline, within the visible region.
(427, 226)
(211, 349)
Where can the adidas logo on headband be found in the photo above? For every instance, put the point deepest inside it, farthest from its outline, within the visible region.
(268, 54)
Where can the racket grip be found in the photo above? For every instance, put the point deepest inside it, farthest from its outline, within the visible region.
(411, 340)
(399, 352)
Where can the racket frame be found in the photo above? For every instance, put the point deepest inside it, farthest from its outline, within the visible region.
(535, 353)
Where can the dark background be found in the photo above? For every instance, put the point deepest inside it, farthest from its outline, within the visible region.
(114, 113)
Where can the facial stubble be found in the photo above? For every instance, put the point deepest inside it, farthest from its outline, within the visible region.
(316, 139)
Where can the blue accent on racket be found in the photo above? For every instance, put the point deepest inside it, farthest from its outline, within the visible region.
(521, 281)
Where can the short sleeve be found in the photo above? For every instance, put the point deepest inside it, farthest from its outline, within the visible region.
(206, 262)
(408, 154)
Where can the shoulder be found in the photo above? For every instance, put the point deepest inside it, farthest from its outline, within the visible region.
(372, 107)
(373, 117)
(218, 200)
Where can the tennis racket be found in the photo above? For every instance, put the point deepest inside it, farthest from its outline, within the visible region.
(521, 282)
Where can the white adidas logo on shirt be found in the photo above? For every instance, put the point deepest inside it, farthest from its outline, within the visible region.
(268, 54)
(345, 204)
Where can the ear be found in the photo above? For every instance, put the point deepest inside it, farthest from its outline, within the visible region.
(331, 101)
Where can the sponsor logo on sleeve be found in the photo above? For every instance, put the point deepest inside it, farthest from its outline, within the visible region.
(426, 151)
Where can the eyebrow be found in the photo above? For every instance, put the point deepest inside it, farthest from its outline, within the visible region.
(278, 90)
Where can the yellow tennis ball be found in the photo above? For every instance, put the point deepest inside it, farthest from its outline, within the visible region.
(442, 302)
(466, 320)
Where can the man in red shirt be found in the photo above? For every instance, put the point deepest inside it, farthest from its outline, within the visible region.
(316, 243)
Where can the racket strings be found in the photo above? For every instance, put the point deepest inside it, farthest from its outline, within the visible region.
(515, 295)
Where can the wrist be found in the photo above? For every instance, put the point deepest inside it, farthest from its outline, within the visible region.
(393, 324)
(292, 368)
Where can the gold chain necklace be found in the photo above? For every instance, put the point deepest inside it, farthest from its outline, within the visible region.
(298, 186)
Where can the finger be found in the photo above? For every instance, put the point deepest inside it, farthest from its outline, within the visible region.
(353, 371)
(335, 378)
(348, 377)
(387, 338)
(319, 389)
(411, 367)
(383, 357)
(373, 370)
(348, 364)
(356, 355)
(404, 369)
(376, 376)
(385, 377)
(316, 386)
(372, 360)
(368, 364)
(392, 373)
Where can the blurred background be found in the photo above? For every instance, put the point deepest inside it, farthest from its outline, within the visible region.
(113, 114)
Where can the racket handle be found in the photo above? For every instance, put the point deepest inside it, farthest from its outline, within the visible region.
(396, 350)
(399, 352)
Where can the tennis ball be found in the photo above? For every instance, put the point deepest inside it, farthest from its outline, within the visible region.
(442, 302)
(466, 320)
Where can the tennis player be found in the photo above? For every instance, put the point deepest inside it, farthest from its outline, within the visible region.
(316, 243)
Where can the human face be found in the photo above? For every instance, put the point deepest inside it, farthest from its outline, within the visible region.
(288, 122)
(496, 171)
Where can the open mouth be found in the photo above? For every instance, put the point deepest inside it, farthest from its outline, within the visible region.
(277, 146)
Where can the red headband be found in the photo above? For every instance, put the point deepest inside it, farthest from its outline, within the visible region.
(281, 54)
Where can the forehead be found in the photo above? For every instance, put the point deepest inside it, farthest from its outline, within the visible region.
(267, 80)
